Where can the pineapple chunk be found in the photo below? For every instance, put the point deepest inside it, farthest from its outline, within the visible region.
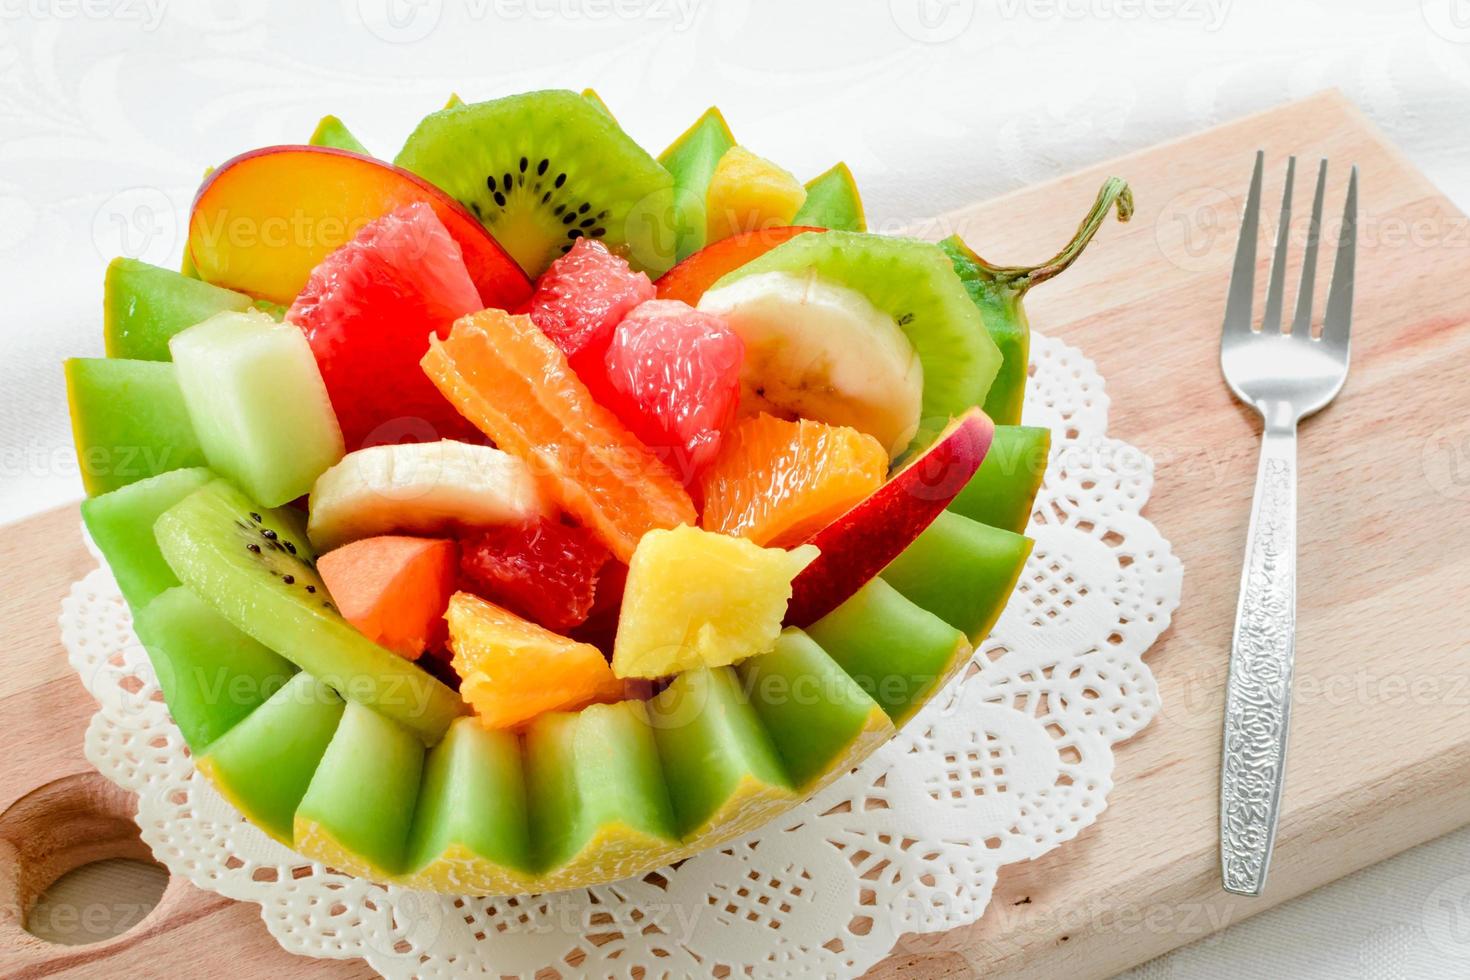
(699, 599)
(748, 193)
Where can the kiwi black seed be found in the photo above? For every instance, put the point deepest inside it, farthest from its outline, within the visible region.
(541, 170)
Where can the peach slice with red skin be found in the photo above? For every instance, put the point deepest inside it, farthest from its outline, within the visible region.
(689, 280)
(263, 220)
(863, 541)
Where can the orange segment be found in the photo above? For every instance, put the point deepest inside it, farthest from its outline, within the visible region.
(514, 384)
(778, 482)
(512, 670)
(393, 589)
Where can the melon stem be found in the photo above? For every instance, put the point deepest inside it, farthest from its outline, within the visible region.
(1114, 193)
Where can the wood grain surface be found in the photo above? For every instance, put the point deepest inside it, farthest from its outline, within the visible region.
(1380, 756)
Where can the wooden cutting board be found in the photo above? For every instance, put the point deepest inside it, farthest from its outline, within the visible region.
(1380, 742)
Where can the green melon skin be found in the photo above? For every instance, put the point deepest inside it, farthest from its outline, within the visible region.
(832, 201)
(333, 132)
(813, 712)
(212, 674)
(143, 306)
(258, 404)
(915, 283)
(128, 421)
(361, 799)
(898, 652)
(1003, 490)
(254, 566)
(264, 764)
(691, 159)
(121, 525)
(1004, 316)
(961, 571)
(718, 761)
(472, 808)
(594, 778)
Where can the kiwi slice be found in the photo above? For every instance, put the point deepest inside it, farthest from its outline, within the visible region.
(256, 568)
(915, 283)
(541, 170)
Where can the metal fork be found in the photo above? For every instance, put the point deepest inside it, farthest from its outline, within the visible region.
(1285, 375)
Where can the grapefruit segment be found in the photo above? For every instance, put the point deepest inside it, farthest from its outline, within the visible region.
(515, 385)
(581, 298)
(673, 377)
(545, 570)
(367, 311)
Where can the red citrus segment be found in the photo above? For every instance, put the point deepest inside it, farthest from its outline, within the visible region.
(689, 280)
(512, 670)
(393, 589)
(546, 571)
(776, 482)
(580, 299)
(673, 377)
(515, 385)
(368, 310)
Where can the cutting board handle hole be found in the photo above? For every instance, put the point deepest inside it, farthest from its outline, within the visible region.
(73, 868)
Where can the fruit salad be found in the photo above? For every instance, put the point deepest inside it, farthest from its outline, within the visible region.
(531, 511)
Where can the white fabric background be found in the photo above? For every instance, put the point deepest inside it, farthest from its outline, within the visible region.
(110, 110)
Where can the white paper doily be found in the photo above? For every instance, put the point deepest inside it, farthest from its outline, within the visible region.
(1011, 760)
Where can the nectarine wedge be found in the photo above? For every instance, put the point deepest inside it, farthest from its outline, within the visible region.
(262, 221)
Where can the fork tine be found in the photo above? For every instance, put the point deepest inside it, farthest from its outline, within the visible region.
(1242, 276)
(1301, 323)
(1338, 321)
(1271, 319)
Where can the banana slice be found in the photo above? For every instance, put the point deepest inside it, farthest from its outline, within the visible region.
(421, 488)
(819, 350)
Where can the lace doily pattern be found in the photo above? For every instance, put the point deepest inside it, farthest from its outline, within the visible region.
(1014, 758)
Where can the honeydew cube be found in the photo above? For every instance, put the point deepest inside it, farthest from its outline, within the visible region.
(257, 403)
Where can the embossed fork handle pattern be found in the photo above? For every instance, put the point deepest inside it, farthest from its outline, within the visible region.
(1258, 695)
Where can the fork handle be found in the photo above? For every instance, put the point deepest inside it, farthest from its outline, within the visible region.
(1258, 696)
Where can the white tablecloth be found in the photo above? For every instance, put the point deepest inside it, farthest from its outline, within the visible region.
(111, 109)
